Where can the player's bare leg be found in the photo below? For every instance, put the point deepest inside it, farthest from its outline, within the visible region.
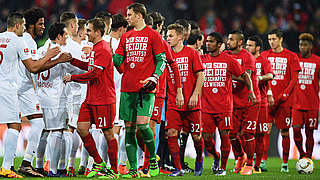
(286, 149)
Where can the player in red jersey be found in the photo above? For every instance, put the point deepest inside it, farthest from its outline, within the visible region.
(305, 111)
(285, 65)
(142, 52)
(158, 21)
(245, 113)
(264, 74)
(100, 104)
(192, 77)
(217, 99)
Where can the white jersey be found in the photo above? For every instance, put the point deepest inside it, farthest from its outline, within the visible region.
(74, 89)
(25, 78)
(50, 86)
(12, 50)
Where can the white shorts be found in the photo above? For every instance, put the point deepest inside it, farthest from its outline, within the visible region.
(29, 103)
(9, 106)
(73, 114)
(55, 118)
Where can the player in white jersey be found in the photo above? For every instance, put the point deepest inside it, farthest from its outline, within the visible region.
(51, 91)
(118, 27)
(13, 49)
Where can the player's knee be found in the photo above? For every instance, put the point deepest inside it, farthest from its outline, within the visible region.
(172, 132)
(284, 132)
(248, 136)
(196, 137)
(16, 126)
(108, 133)
(297, 126)
(142, 127)
(224, 132)
(34, 116)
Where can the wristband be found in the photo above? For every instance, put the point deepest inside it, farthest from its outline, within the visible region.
(269, 92)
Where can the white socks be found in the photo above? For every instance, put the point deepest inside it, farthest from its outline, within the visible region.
(41, 149)
(10, 147)
(74, 149)
(66, 149)
(123, 153)
(55, 144)
(33, 139)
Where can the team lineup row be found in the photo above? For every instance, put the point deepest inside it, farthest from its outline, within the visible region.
(109, 83)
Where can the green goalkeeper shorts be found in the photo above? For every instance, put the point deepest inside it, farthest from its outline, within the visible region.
(130, 105)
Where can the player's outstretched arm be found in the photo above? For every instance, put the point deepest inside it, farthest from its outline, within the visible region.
(64, 57)
(34, 66)
(193, 101)
(93, 74)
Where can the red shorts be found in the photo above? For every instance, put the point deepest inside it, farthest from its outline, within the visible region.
(309, 118)
(245, 119)
(221, 120)
(157, 109)
(175, 120)
(263, 120)
(282, 117)
(100, 115)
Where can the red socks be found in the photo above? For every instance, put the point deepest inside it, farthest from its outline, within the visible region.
(211, 147)
(259, 149)
(174, 150)
(297, 136)
(225, 150)
(309, 142)
(146, 158)
(285, 148)
(250, 147)
(236, 145)
(199, 145)
(90, 145)
(266, 142)
(113, 154)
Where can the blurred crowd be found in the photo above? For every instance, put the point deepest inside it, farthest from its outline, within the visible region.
(250, 16)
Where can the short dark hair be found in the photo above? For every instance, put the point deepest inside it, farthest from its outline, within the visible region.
(277, 32)
(217, 36)
(157, 18)
(98, 24)
(138, 8)
(32, 16)
(56, 29)
(238, 33)
(177, 27)
(14, 18)
(148, 20)
(306, 37)
(66, 17)
(195, 35)
(194, 25)
(81, 23)
(183, 22)
(118, 20)
(105, 16)
(257, 40)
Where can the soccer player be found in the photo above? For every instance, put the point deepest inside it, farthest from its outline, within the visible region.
(187, 29)
(195, 40)
(118, 28)
(107, 19)
(264, 75)
(160, 96)
(13, 49)
(192, 78)
(100, 104)
(143, 54)
(305, 111)
(285, 66)
(217, 99)
(245, 113)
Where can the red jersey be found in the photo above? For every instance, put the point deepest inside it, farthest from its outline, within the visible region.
(282, 64)
(307, 88)
(263, 67)
(217, 88)
(100, 89)
(138, 49)
(240, 90)
(189, 64)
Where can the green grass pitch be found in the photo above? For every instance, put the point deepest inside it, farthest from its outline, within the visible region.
(273, 171)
